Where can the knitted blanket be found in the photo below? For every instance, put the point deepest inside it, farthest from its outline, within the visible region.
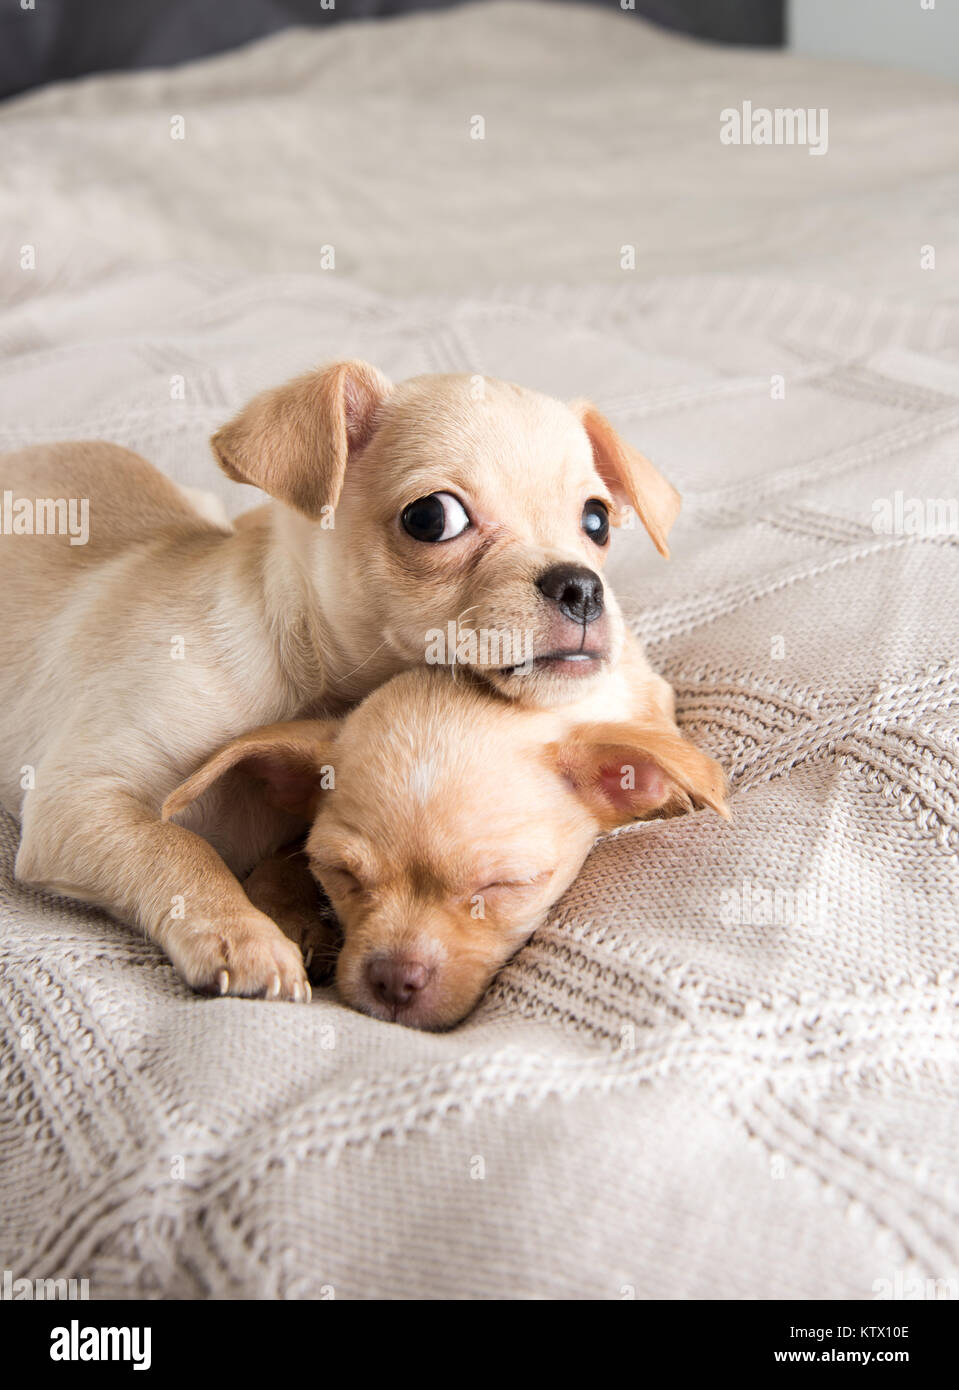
(728, 1066)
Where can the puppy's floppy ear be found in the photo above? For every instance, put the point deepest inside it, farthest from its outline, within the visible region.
(630, 476)
(625, 772)
(294, 441)
(291, 760)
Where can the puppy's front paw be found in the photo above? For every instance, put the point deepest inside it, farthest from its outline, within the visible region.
(247, 956)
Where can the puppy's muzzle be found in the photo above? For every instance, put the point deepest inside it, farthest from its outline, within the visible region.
(576, 591)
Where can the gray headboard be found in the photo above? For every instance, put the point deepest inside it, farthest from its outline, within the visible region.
(65, 38)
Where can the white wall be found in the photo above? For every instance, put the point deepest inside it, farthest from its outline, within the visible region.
(897, 32)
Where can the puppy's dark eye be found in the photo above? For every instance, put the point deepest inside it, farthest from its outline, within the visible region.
(596, 521)
(438, 517)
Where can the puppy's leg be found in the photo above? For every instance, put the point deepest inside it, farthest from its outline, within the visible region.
(108, 848)
(284, 888)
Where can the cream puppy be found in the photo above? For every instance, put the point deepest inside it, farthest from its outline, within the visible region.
(396, 511)
(446, 821)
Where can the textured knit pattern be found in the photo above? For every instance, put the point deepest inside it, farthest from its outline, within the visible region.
(729, 1064)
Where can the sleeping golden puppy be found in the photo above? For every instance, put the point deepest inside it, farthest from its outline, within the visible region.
(398, 514)
(445, 822)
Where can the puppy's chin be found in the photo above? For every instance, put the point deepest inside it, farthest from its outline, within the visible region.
(424, 1015)
(410, 1016)
(547, 681)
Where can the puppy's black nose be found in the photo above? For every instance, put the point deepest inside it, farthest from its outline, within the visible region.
(576, 591)
(395, 979)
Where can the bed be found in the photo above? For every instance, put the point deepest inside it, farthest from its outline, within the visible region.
(727, 1066)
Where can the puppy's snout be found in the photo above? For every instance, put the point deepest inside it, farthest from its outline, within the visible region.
(576, 591)
(396, 980)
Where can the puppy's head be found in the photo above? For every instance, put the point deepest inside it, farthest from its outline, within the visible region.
(454, 819)
(457, 520)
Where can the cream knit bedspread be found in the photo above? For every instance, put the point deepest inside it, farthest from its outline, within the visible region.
(729, 1065)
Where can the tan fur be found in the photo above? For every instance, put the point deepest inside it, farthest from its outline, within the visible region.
(689, 776)
(294, 441)
(442, 789)
(126, 662)
(629, 474)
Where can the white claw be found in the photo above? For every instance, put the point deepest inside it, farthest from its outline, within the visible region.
(309, 992)
(274, 987)
(223, 981)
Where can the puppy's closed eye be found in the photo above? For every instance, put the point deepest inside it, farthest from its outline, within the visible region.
(518, 885)
(338, 879)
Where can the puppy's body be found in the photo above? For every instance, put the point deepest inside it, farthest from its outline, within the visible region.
(121, 662)
(127, 661)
